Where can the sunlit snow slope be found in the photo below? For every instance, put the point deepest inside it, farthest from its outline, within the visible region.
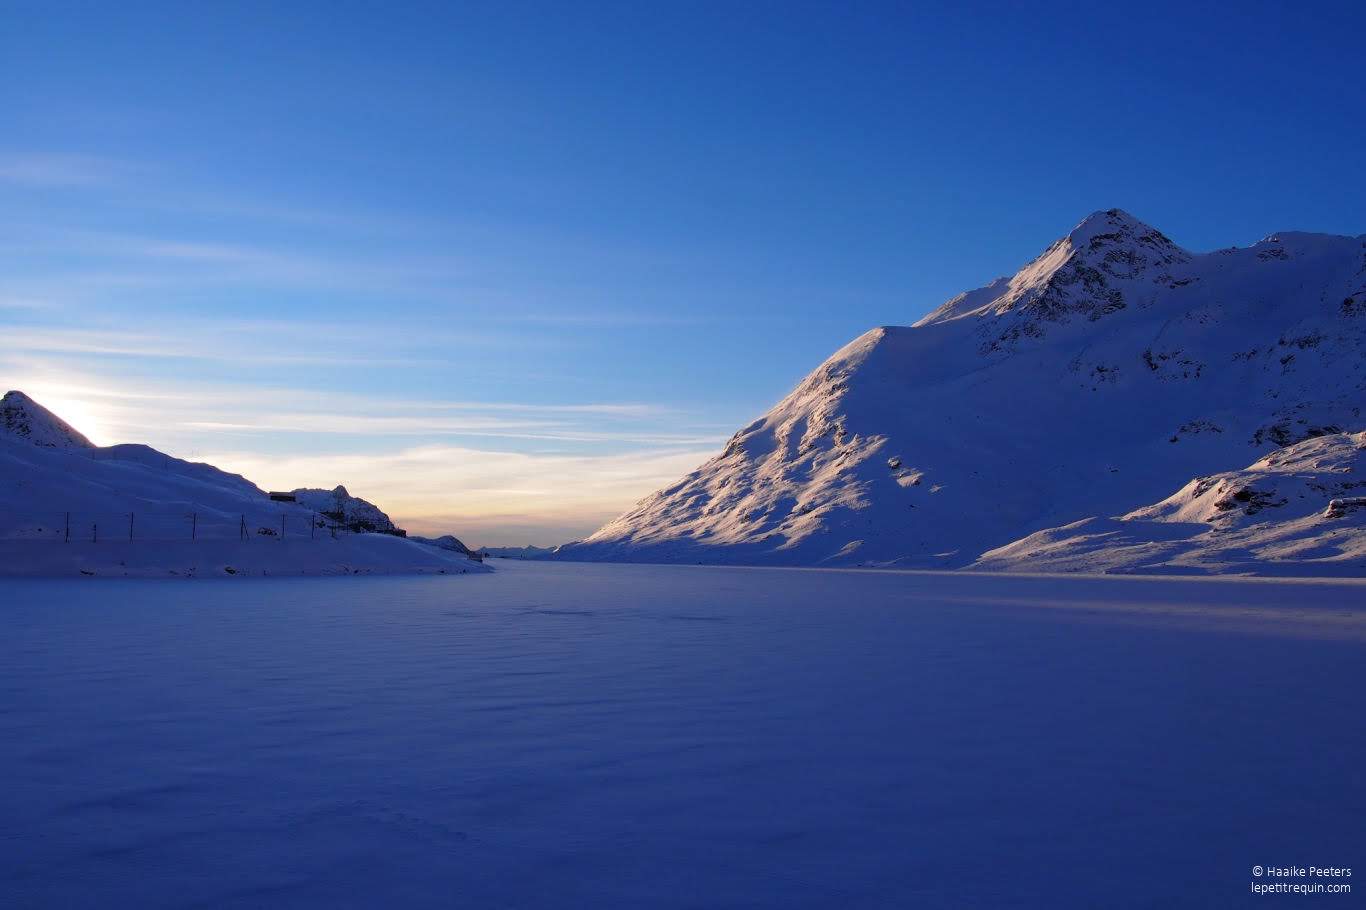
(1104, 374)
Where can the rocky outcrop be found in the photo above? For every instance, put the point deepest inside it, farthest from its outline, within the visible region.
(351, 512)
(23, 418)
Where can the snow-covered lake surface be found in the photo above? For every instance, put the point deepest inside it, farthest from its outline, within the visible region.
(634, 736)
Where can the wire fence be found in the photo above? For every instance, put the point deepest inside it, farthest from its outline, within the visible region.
(95, 527)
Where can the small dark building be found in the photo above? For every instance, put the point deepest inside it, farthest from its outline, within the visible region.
(283, 497)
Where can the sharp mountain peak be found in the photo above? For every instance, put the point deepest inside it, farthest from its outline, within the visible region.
(25, 418)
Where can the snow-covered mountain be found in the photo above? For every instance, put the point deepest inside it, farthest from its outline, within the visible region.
(1100, 376)
(67, 506)
(1300, 510)
(23, 418)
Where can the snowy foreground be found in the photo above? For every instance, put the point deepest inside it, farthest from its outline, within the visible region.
(569, 735)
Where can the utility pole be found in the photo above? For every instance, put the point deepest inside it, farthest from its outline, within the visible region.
(68, 528)
(130, 525)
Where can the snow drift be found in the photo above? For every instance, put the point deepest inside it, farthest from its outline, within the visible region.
(1099, 377)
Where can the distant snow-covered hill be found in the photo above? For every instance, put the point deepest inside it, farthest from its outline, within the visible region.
(527, 552)
(1103, 374)
(68, 507)
(448, 542)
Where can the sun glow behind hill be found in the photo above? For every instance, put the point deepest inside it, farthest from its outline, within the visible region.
(88, 416)
(436, 467)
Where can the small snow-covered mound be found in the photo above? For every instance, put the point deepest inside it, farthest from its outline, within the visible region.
(1300, 510)
(24, 418)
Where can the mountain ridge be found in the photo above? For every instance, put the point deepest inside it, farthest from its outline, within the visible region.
(1105, 372)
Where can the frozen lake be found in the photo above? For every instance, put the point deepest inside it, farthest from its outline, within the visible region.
(634, 736)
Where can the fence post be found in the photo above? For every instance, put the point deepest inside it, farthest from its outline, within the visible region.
(68, 528)
(244, 527)
(282, 525)
(312, 525)
(194, 525)
(130, 525)
(95, 533)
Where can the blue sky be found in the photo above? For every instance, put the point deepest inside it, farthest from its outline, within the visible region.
(505, 268)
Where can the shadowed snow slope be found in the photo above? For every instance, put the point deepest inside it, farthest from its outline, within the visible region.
(67, 507)
(1106, 372)
(1300, 510)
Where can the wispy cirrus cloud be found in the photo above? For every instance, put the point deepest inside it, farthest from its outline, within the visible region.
(488, 420)
(111, 258)
(150, 187)
(608, 319)
(26, 304)
(195, 414)
(193, 236)
(145, 345)
(287, 342)
(51, 169)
